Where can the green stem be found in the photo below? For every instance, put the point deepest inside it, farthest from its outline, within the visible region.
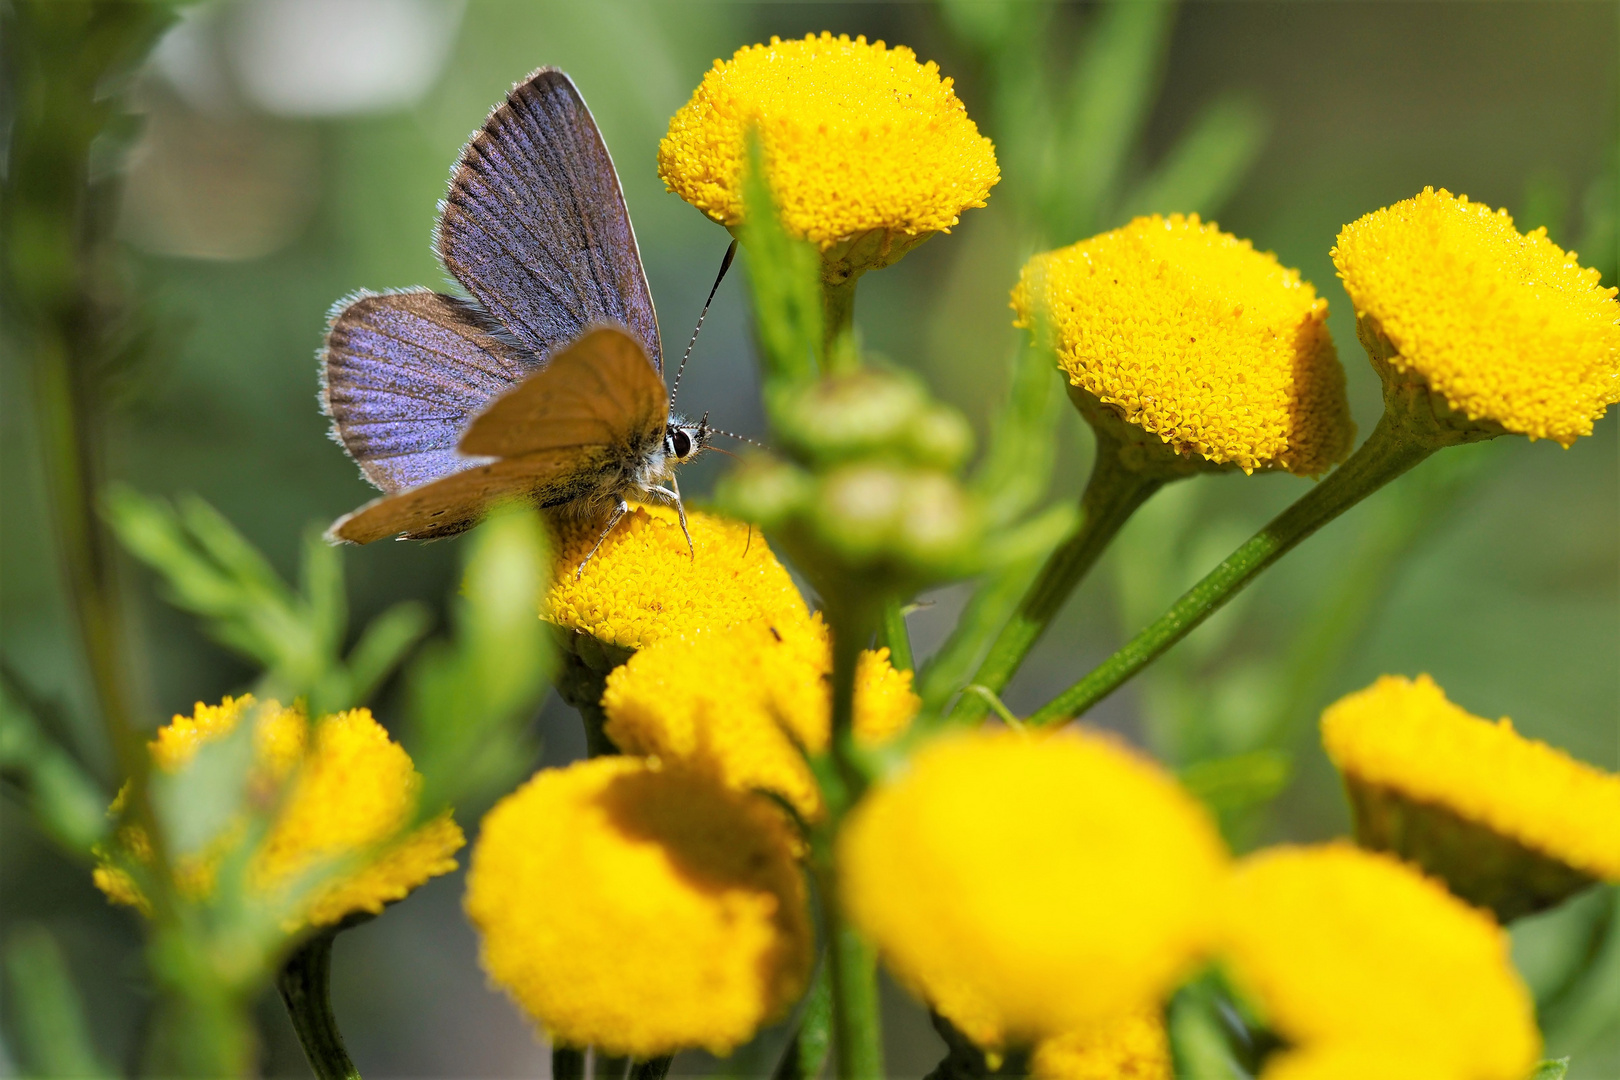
(806, 1054)
(1112, 495)
(857, 1029)
(852, 627)
(567, 1063)
(304, 982)
(895, 637)
(838, 320)
(1390, 451)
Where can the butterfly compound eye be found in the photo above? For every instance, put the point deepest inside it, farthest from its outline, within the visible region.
(681, 443)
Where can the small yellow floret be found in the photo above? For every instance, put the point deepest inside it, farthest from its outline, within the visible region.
(1032, 886)
(1404, 735)
(640, 910)
(644, 585)
(1507, 327)
(735, 704)
(352, 792)
(1193, 335)
(1344, 948)
(1136, 1047)
(858, 138)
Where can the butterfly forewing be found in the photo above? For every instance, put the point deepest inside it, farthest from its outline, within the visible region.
(600, 391)
(402, 373)
(535, 224)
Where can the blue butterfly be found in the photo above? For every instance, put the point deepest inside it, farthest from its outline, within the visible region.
(547, 385)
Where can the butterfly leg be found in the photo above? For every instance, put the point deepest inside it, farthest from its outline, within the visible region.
(613, 519)
(673, 494)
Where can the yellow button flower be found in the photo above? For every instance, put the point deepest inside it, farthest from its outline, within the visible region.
(352, 790)
(1357, 1063)
(1344, 949)
(638, 910)
(869, 152)
(1029, 887)
(1190, 334)
(1507, 327)
(1510, 823)
(1135, 1047)
(741, 705)
(644, 584)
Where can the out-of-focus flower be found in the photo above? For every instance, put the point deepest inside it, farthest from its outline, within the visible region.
(1507, 328)
(352, 790)
(1189, 334)
(1347, 950)
(868, 151)
(745, 706)
(1032, 887)
(1357, 1063)
(1135, 1047)
(1509, 823)
(640, 910)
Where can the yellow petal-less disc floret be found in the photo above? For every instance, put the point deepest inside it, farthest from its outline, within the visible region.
(1194, 336)
(1134, 1047)
(1344, 948)
(1505, 326)
(353, 789)
(643, 584)
(1409, 754)
(740, 705)
(858, 138)
(640, 910)
(1029, 887)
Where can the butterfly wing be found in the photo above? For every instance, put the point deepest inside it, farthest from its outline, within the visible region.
(400, 375)
(535, 224)
(600, 391)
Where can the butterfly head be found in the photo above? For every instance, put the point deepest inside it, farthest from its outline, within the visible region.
(684, 440)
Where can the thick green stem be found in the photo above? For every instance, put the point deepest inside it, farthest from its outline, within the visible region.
(806, 1054)
(895, 637)
(304, 982)
(838, 319)
(1111, 497)
(567, 1063)
(857, 1028)
(1390, 451)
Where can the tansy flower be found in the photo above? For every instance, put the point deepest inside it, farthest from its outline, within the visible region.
(1031, 887)
(1507, 328)
(1355, 1062)
(352, 790)
(1133, 1047)
(644, 584)
(1510, 823)
(1188, 333)
(640, 910)
(745, 705)
(1346, 950)
(868, 151)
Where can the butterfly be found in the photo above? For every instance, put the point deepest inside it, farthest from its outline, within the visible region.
(547, 383)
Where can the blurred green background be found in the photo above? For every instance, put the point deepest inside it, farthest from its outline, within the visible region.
(293, 151)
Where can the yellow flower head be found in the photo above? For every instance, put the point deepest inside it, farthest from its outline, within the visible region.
(1506, 327)
(1414, 759)
(644, 585)
(1191, 334)
(1133, 1047)
(1030, 887)
(1346, 949)
(352, 790)
(860, 140)
(1355, 1062)
(735, 704)
(640, 910)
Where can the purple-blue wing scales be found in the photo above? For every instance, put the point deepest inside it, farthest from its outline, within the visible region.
(402, 374)
(535, 224)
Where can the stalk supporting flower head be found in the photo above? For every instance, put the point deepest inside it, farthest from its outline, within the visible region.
(640, 910)
(352, 790)
(1505, 327)
(1133, 1047)
(868, 152)
(1345, 950)
(1213, 349)
(751, 728)
(1508, 822)
(1031, 887)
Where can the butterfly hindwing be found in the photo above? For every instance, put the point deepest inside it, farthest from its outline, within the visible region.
(401, 374)
(600, 391)
(535, 224)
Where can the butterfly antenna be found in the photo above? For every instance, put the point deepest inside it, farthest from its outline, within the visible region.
(725, 264)
(739, 438)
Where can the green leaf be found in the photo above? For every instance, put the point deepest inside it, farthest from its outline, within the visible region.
(1206, 164)
(66, 802)
(1017, 466)
(784, 277)
(1551, 1069)
(195, 805)
(47, 1015)
(383, 644)
(1239, 780)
